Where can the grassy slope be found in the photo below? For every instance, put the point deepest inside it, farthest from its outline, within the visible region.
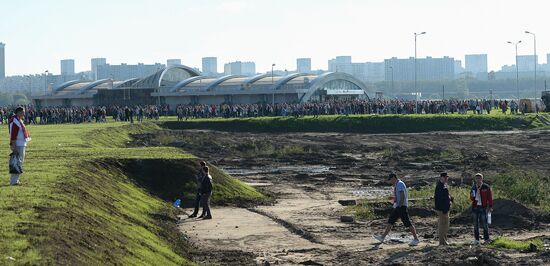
(74, 208)
(365, 123)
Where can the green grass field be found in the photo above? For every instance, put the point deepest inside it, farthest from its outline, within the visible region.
(78, 204)
(364, 123)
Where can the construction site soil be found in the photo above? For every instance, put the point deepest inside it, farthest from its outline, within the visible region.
(309, 173)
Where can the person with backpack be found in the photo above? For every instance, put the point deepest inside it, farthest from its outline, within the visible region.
(481, 196)
(199, 177)
(443, 202)
(206, 194)
(19, 137)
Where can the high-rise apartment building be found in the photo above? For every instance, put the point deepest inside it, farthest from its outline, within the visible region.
(427, 69)
(210, 66)
(303, 65)
(67, 67)
(476, 63)
(2, 61)
(96, 62)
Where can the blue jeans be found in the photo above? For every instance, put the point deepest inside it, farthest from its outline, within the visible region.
(480, 216)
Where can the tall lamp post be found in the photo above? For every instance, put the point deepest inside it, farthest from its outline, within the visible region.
(517, 67)
(273, 96)
(45, 87)
(535, 58)
(415, 78)
(392, 88)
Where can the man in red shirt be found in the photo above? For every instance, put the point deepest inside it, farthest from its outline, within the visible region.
(482, 204)
(19, 137)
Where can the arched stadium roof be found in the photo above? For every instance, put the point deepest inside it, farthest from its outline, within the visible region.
(167, 77)
(304, 84)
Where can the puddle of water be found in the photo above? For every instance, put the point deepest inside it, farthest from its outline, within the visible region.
(298, 169)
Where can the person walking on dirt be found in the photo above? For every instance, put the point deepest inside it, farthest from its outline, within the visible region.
(206, 194)
(482, 203)
(400, 209)
(19, 137)
(199, 178)
(442, 206)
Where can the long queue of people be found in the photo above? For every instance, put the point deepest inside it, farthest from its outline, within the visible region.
(60, 115)
(351, 107)
(76, 115)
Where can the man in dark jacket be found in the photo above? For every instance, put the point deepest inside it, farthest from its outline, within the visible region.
(199, 178)
(442, 206)
(206, 193)
(482, 202)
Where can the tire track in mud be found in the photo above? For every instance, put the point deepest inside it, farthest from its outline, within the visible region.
(290, 227)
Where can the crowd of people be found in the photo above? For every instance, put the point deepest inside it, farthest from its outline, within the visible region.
(88, 114)
(351, 107)
(75, 114)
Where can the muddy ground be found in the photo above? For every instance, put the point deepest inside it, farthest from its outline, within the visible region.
(308, 173)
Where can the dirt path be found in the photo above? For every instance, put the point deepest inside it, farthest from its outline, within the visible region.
(303, 226)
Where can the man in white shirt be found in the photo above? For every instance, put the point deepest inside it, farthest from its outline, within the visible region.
(400, 209)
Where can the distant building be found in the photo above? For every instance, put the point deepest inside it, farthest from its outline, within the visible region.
(173, 62)
(369, 71)
(2, 61)
(427, 69)
(67, 67)
(527, 62)
(458, 68)
(375, 71)
(95, 63)
(476, 63)
(209, 66)
(125, 71)
(340, 64)
(303, 65)
(240, 68)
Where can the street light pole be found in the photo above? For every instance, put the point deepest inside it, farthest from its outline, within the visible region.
(392, 88)
(45, 87)
(415, 77)
(273, 96)
(517, 67)
(535, 59)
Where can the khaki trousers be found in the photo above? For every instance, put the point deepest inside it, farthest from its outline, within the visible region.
(443, 227)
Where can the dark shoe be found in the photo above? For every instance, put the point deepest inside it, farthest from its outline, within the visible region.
(200, 217)
(192, 216)
(209, 217)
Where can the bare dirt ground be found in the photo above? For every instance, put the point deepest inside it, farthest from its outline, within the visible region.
(308, 173)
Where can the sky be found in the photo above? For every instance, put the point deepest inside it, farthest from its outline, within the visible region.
(39, 33)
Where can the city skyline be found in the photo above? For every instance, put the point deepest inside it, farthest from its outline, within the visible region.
(265, 32)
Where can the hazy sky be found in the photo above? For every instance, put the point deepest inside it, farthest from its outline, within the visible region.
(39, 33)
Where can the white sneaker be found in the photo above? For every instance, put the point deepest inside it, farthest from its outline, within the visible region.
(414, 242)
(379, 238)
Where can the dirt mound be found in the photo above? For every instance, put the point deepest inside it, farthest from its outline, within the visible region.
(506, 214)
